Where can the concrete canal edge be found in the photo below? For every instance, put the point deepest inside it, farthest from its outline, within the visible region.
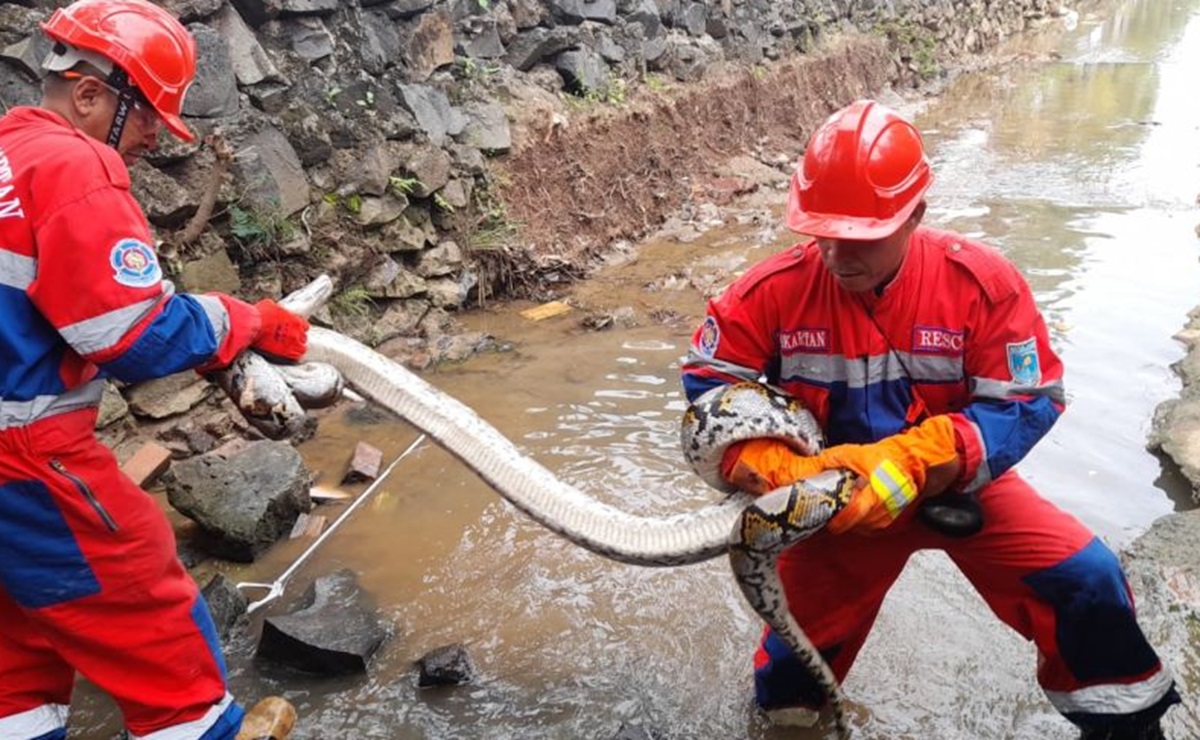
(1163, 564)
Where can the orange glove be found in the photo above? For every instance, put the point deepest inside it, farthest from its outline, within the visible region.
(284, 335)
(761, 465)
(893, 472)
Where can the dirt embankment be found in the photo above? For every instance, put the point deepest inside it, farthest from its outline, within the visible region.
(581, 179)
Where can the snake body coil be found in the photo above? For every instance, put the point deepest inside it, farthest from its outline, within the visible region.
(751, 531)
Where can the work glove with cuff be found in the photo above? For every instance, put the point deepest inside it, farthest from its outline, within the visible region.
(278, 334)
(893, 472)
(283, 336)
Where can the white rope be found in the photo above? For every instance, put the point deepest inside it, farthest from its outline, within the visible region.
(275, 589)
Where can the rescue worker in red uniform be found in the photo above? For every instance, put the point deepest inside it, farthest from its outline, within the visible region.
(924, 358)
(89, 578)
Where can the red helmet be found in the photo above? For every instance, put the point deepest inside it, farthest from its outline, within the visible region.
(148, 43)
(862, 176)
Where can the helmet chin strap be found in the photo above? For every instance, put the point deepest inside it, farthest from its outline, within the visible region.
(125, 100)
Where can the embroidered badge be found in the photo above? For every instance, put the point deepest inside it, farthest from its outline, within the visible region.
(134, 264)
(710, 337)
(1023, 362)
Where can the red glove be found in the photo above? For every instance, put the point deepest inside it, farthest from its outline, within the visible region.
(893, 472)
(283, 335)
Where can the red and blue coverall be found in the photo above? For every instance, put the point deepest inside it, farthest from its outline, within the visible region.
(89, 577)
(956, 332)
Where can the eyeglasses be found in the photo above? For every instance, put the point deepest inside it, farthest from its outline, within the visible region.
(140, 107)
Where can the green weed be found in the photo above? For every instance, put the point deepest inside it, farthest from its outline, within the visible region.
(352, 303)
(403, 185)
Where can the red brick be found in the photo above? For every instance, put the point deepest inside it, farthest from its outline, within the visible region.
(149, 462)
(365, 465)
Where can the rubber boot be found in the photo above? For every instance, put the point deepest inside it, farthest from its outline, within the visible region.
(270, 719)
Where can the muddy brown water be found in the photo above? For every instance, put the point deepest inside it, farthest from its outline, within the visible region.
(1083, 169)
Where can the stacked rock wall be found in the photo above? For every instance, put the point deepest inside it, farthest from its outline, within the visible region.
(365, 136)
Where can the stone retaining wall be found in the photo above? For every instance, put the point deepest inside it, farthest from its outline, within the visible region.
(365, 134)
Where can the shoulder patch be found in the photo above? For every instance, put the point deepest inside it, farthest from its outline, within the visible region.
(1023, 364)
(708, 338)
(995, 274)
(778, 263)
(134, 264)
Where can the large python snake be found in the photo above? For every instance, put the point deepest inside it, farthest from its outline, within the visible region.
(752, 532)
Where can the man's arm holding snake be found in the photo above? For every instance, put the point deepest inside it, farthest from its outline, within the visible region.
(1017, 395)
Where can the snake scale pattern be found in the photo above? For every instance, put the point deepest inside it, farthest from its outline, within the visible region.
(751, 532)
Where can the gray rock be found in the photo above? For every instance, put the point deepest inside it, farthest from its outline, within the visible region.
(457, 194)
(695, 18)
(635, 732)
(429, 166)
(307, 7)
(389, 280)
(484, 45)
(379, 210)
(402, 318)
(113, 406)
(28, 54)
(249, 60)
(191, 10)
(333, 632)
(245, 498)
(583, 71)
(578, 11)
(538, 44)
(163, 199)
(402, 235)
(226, 604)
(214, 92)
(311, 39)
(402, 9)
(444, 259)
(257, 12)
(308, 133)
(172, 395)
(268, 165)
(381, 47)
(432, 110)
(449, 665)
(646, 14)
(449, 293)
(211, 272)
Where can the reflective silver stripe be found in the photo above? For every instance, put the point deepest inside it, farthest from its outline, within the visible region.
(1007, 390)
(217, 316)
(22, 413)
(35, 722)
(983, 475)
(1113, 698)
(17, 271)
(891, 366)
(814, 367)
(190, 730)
(934, 368)
(695, 359)
(105, 331)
